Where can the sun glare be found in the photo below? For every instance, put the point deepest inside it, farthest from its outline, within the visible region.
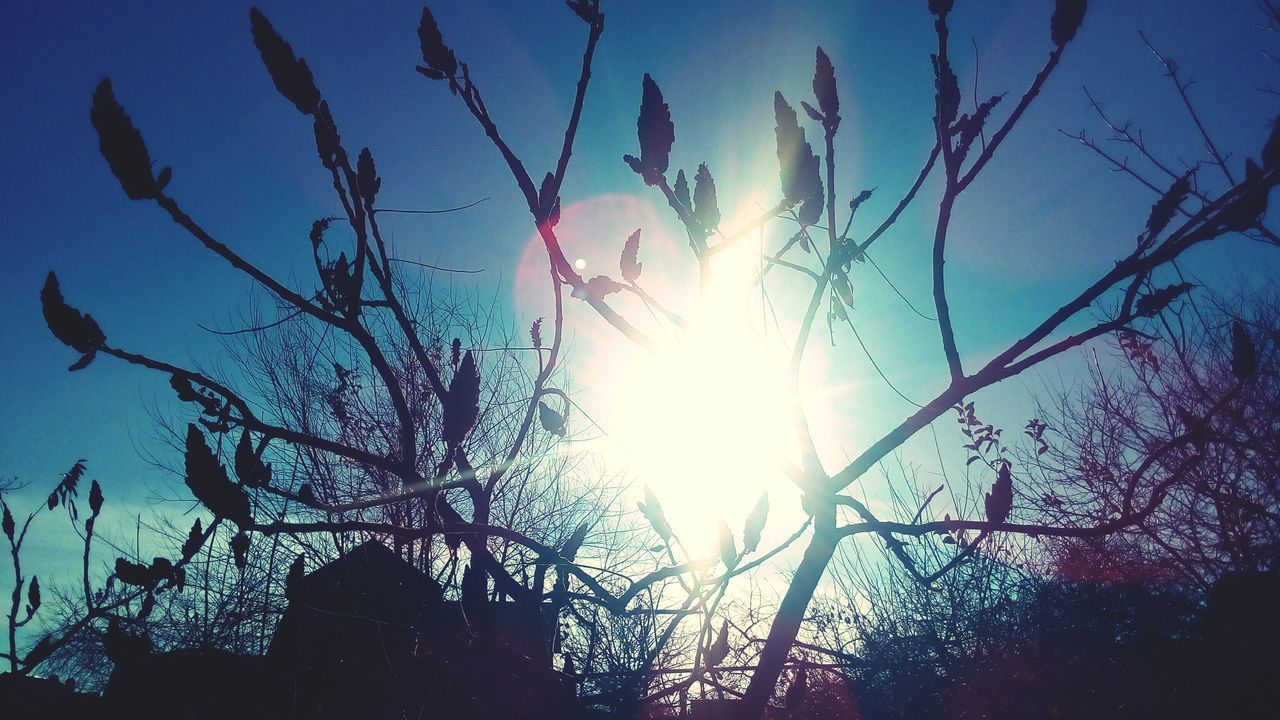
(705, 421)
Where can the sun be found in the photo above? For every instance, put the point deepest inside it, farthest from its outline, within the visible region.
(705, 421)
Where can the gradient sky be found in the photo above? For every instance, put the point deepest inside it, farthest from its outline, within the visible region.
(1046, 216)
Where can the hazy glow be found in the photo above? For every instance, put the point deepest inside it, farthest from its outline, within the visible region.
(705, 422)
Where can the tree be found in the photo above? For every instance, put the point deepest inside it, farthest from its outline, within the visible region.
(358, 298)
(1132, 284)
(19, 613)
(359, 416)
(80, 608)
(1203, 381)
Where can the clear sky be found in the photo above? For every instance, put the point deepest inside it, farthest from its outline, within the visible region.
(1046, 217)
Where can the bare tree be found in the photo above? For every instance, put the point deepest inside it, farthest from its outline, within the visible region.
(80, 608)
(446, 467)
(1133, 288)
(360, 412)
(1221, 516)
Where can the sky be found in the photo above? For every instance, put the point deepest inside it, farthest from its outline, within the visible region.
(1046, 217)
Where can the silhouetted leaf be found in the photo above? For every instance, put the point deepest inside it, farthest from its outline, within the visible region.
(195, 538)
(208, 482)
(1243, 212)
(33, 595)
(940, 7)
(328, 139)
(588, 10)
(597, 288)
(705, 207)
(1244, 357)
(798, 166)
(840, 282)
(7, 523)
(161, 568)
(462, 403)
(552, 421)
(290, 73)
(628, 263)
(244, 459)
(70, 480)
(1165, 208)
(656, 133)
(455, 352)
(948, 92)
(1150, 304)
(79, 332)
(341, 286)
(440, 60)
(549, 203)
(968, 127)
(367, 177)
(122, 145)
(755, 524)
(1068, 15)
(802, 238)
(857, 201)
(634, 163)
(95, 498)
(535, 333)
(728, 550)
(652, 511)
(681, 191)
(82, 363)
(251, 470)
(719, 650)
(181, 385)
(132, 573)
(1000, 500)
(240, 549)
(837, 308)
(824, 88)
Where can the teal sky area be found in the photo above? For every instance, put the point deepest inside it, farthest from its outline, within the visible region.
(1046, 217)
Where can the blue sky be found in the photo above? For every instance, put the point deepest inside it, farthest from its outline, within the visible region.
(1046, 217)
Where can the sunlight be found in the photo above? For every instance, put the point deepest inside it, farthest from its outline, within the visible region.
(705, 423)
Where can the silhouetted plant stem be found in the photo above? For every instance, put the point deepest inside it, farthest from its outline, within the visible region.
(584, 77)
(940, 303)
(904, 202)
(786, 624)
(1171, 69)
(990, 149)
